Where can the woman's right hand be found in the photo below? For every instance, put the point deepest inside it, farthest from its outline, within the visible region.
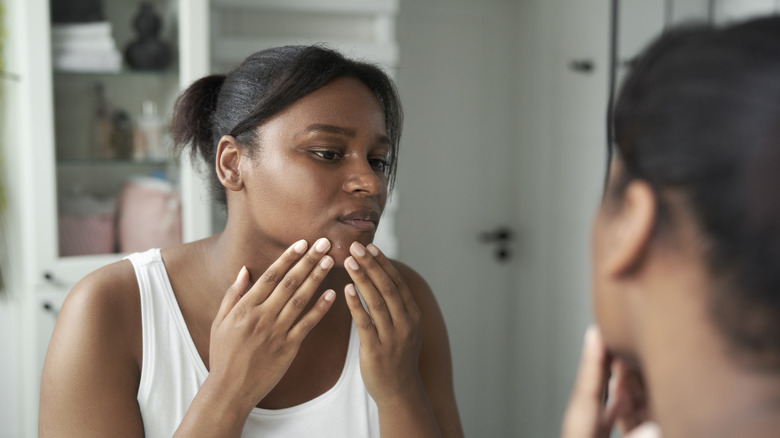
(258, 330)
(627, 404)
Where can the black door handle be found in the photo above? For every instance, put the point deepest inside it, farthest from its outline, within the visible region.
(501, 236)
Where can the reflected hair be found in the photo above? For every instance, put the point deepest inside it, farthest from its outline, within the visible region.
(699, 113)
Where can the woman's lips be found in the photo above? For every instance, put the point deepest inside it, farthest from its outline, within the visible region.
(363, 220)
(360, 224)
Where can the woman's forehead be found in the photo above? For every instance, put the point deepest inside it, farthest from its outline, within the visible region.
(344, 106)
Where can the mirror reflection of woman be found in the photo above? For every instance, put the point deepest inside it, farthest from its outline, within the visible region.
(686, 245)
(260, 330)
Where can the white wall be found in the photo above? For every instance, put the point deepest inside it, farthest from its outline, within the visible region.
(11, 398)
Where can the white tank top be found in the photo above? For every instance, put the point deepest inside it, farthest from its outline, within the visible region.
(172, 372)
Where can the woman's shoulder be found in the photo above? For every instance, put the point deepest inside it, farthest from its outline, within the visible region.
(418, 286)
(94, 356)
(111, 287)
(106, 301)
(413, 279)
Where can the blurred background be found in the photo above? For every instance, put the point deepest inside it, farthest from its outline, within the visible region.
(501, 166)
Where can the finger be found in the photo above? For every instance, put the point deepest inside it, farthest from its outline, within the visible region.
(366, 329)
(312, 317)
(376, 304)
(647, 429)
(233, 295)
(295, 277)
(264, 285)
(618, 402)
(387, 288)
(301, 297)
(397, 278)
(584, 413)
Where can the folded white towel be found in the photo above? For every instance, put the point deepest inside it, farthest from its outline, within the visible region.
(98, 61)
(83, 45)
(95, 29)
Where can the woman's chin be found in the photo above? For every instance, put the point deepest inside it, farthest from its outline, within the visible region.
(339, 249)
(339, 255)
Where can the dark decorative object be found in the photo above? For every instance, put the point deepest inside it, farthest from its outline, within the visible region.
(148, 52)
(76, 11)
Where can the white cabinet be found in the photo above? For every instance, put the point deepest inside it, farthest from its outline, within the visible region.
(78, 149)
(359, 28)
(80, 171)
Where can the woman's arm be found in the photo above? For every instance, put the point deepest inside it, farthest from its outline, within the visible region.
(404, 350)
(91, 371)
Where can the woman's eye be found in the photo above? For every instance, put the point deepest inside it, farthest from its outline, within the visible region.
(379, 164)
(326, 155)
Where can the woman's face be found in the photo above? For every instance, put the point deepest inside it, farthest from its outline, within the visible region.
(609, 305)
(319, 170)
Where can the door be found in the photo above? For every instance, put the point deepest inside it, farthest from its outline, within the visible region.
(505, 113)
(455, 77)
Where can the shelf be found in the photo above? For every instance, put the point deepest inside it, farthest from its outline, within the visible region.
(334, 6)
(124, 73)
(230, 49)
(110, 162)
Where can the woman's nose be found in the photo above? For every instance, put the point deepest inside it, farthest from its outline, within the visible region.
(362, 178)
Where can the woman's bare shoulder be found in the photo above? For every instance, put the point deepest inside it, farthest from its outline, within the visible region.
(106, 301)
(435, 356)
(111, 291)
(92, 369)
(417, 284)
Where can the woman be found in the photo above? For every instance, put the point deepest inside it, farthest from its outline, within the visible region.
(244, 333)
(686, 245)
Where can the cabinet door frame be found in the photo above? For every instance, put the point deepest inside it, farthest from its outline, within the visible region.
(34, 158)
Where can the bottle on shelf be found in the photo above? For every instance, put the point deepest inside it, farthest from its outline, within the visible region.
(148, 135)
(122, 135)
(103, 125)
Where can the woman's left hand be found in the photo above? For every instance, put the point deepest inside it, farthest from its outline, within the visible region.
(391, 335)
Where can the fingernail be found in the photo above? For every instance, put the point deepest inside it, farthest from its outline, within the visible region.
(373, 249)
(330, 295)
(358, 249)
(326, 262)
(351, 264)
(350, 290)
(299, 246)
(241, 273)
(322, 245)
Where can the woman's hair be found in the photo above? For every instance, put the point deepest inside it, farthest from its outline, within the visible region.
(699, 114)
(264, 84)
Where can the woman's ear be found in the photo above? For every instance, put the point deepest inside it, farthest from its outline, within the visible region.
(631, 229)
(227, 163)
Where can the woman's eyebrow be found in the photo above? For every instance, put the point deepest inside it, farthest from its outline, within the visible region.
(333, 129)
(321, 127)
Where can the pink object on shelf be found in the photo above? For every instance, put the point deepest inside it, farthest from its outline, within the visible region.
(86, 235)
(149, 215)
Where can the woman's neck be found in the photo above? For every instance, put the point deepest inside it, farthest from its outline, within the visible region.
(225, 253)
(698, 388)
